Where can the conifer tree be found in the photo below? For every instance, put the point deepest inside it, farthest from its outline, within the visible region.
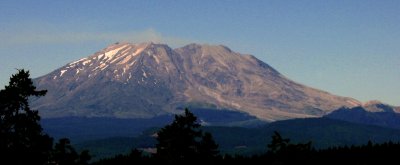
(208, 149)
(183, 141)
(22, 140)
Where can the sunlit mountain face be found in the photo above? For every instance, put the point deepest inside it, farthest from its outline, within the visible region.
(146, 80)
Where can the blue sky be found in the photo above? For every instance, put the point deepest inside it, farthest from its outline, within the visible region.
(346, 47)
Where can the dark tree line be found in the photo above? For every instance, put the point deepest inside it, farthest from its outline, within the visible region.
(182, 142)
(22, 140)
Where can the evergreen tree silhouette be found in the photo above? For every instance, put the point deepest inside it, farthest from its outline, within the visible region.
(208, 149)
(22, 140)
(177, 141)
(278, 144)
(183, 141)
(281, 151)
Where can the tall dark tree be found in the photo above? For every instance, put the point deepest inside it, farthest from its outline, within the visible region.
(183, 141)
(278, 144)
(208, 149)
(177, 141)
(22, 140)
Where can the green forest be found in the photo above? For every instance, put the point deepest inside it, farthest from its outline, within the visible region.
(23, 141)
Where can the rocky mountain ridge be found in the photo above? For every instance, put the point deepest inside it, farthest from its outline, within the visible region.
(145, 80)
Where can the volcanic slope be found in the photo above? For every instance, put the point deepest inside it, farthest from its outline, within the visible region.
(145, 80)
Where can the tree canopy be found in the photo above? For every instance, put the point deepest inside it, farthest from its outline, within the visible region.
(22, 140)
(183, 141)
(21, 137)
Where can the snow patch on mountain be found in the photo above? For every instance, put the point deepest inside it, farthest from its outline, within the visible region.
(80, 60)
(139, 50)
(125, 60)
(111, 53)
(62, 72)
(144, 73)
(86, 62)
(157, 60)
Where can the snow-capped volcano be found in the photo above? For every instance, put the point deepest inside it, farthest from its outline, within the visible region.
(145, 80)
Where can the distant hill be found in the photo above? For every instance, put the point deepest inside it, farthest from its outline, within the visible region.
(385, 117)
(323, 132)
(80, 129)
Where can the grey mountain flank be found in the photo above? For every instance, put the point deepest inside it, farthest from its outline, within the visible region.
(146, 80)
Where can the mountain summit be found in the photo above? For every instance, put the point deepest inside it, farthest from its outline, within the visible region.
(146, 80)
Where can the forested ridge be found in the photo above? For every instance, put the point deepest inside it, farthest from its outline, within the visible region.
(23, 141)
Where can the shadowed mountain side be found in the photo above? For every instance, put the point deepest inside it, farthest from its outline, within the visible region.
(80, 129)
(383, 115)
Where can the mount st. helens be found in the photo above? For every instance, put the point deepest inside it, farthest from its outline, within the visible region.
(146, 80)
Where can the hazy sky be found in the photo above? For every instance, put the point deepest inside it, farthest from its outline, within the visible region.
(349, 48)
